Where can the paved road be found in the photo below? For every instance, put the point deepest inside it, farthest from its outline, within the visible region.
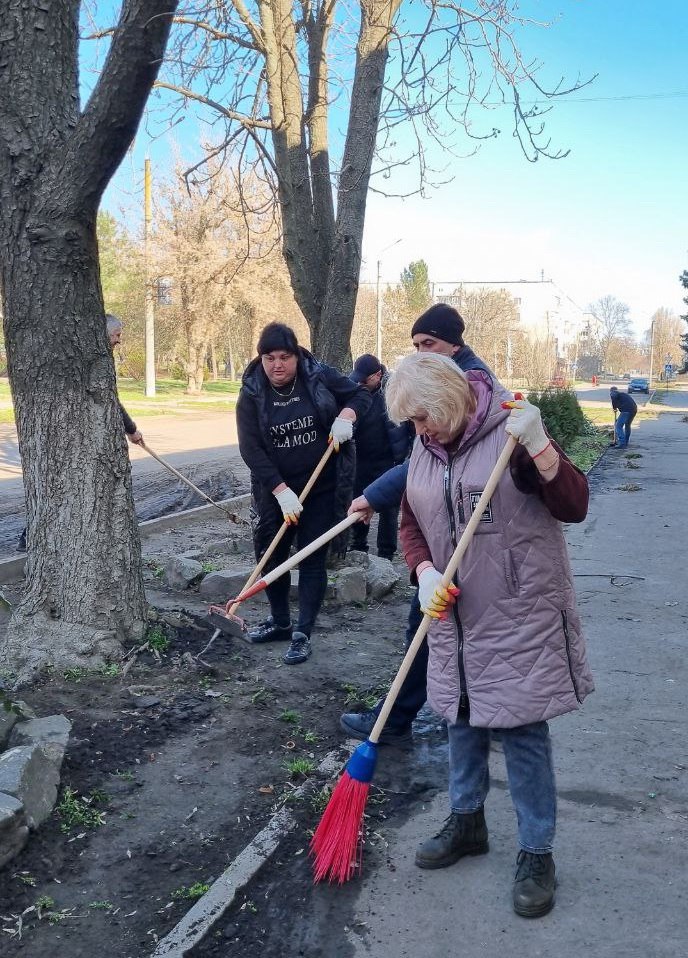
(675, 397)
(203, 447)
(622, 846)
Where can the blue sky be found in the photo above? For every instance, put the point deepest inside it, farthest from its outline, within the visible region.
(611, 218)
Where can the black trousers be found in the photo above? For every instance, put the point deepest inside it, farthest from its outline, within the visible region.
(413, 692)
(387, 530)
(387, 525)
(316, 518)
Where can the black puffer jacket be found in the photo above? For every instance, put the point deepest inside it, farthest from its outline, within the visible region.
(329, 392)
(380, 444)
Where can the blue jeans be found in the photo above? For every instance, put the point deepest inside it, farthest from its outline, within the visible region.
(528, 756)
(623, 427)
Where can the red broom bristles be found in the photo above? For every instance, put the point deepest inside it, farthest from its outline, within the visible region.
(337, 845)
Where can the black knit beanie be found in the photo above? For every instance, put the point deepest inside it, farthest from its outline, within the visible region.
(278, 336)
(442, 322)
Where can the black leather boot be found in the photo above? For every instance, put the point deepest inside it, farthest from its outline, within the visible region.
(534, 884)
(460, 835)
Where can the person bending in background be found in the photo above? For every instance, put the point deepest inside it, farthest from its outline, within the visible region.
(506, 652)
(380, 444)
(626, 407)
(289, 407)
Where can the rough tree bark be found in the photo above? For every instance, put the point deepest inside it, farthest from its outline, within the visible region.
(84, 589)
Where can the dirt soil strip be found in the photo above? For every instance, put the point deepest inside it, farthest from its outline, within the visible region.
(198, 921)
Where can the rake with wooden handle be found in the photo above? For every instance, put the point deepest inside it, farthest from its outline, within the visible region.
(223, 618)
(337, 844)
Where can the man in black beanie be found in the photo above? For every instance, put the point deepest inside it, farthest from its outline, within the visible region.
(440, 330)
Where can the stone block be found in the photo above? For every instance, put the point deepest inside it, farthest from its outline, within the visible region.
(381, 577)
(225, 584)
(350, 585)
(14, 831)
(50, 734)
(229, 547)
(27, 775)
(180, 572)
(357, 558)
(7, 722)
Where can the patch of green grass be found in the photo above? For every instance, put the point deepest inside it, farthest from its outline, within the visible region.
(44, 903)
(633, 455)
(260, 696)
(208, 566)
(7, 415)
(27, 879)
(109, 670)
(197, 890)
(629, 487)
(126, 776)
(365, 698)
(310, 737)
(157, 639)
(290, 716)
(298, 767)
(78, 811)
(101, 905)
(320, 799)
(76, 674)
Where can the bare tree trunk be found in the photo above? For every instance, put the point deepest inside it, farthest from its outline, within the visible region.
(84, 588)
(213, 361)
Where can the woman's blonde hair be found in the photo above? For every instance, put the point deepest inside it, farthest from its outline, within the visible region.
(428, 384)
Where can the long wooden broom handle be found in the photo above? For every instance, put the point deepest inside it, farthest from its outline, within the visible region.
(175, 472)
(283, 528)
(447, 578)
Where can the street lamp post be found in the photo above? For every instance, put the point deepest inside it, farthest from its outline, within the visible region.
(652, 348)
(149, 314)
(378, 325)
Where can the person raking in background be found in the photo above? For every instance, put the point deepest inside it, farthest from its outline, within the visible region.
(440, 329)
(380, 444)
(289, 407)
(626, 407)
(506, 651)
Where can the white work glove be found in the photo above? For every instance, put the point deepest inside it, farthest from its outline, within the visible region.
(525, 425)
(342, 431)
(433, 597)
(290, 505)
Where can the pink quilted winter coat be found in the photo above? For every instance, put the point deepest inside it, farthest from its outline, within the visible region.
(514, 641)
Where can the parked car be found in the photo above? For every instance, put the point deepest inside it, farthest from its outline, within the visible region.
(639, 385)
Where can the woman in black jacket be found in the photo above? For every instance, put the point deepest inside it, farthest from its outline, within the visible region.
(289, 408)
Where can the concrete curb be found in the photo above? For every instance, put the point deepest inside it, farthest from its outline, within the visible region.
(13, 569)
(201, 917)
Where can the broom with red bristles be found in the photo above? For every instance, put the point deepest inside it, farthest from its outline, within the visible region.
(337, 845)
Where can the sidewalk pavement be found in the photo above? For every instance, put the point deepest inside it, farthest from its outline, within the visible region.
(622, 760)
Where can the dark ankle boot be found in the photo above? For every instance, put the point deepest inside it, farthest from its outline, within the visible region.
(460, 835)
(534, 884)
